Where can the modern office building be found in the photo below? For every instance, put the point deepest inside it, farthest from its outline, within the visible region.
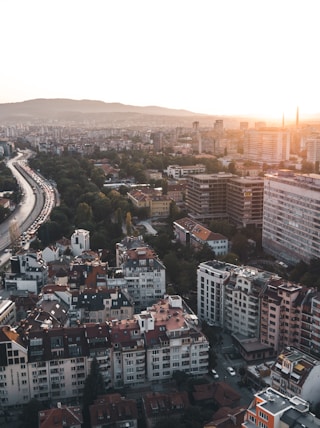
(291, 216)
(268, 145)
(245, 201)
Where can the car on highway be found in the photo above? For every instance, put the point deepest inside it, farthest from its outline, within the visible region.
(231, 371)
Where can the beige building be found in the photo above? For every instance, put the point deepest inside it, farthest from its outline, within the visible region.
(269, 145)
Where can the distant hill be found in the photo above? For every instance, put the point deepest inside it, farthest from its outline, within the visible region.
(83, 110)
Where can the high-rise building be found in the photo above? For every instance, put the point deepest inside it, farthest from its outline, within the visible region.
(270, 145)
(206, 196)
(245, 201)
(291, 216)
(313, 148)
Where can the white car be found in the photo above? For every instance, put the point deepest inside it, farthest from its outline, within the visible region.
(214, 374)
(231, 371)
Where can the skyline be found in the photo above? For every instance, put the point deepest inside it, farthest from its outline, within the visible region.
(227, 58)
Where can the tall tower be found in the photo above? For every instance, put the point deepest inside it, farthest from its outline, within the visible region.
(297, 118)
(195, 126)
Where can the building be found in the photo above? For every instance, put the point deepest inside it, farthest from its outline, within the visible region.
(271, 409)
(211, 279)
(80, 241)
(313, 148)
(28, 271)
(206, 196)
(7, 312)
(295, 373)
(143, 271)
(196, 235)
(113, 410)
(291, 216)
(173, 340)
(177, 171)
(158, 205)
(245, 201)
(61, 417)
(158, 405)
(269, 145)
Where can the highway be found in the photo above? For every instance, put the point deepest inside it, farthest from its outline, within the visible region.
(35, 207)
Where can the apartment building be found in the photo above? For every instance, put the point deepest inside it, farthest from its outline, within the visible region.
(40, 359)
(29, 271)
(264, 312)
(271, 409)
(7, 312)
(206, 196)
(245, 201)
(225, 196)
(192, 233)
(269, 145)
(177, 171)
(157, 204)
(242, 302)
(291, 216)
(143, 271)
(99, 305)
(211, 279)
(280, 314)
(313, 148)
(173, 340)
(296, 373)
(50, 363)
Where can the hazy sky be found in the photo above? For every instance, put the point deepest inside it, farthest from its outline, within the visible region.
(207, 56)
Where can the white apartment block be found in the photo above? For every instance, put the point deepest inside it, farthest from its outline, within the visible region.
(51, 364)
(291, 216)
(211, 279)
(177, 171)
(270, 145)
(143, 271)
(242, 303)
(80, 241)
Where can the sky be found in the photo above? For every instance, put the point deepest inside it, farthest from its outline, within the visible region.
(234, 57)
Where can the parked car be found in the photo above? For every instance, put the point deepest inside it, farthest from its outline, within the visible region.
(231, 371)
(214, 374)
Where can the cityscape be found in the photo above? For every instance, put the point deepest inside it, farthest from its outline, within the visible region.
(161, 269)
(159, 214)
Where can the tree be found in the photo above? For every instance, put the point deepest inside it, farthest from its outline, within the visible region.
(93, 387)
(29, 417)
(128, 224)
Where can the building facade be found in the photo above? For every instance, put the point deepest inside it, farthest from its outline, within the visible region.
(245, 201)
(206, 196)
(291, 216)
(270, 145)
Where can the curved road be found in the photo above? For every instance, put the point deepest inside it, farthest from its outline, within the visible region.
(32, 203)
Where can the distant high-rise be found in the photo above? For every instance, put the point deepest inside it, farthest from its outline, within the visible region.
(271, 145)
(297, 118)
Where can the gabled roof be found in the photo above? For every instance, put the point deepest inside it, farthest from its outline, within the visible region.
(61, 417)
